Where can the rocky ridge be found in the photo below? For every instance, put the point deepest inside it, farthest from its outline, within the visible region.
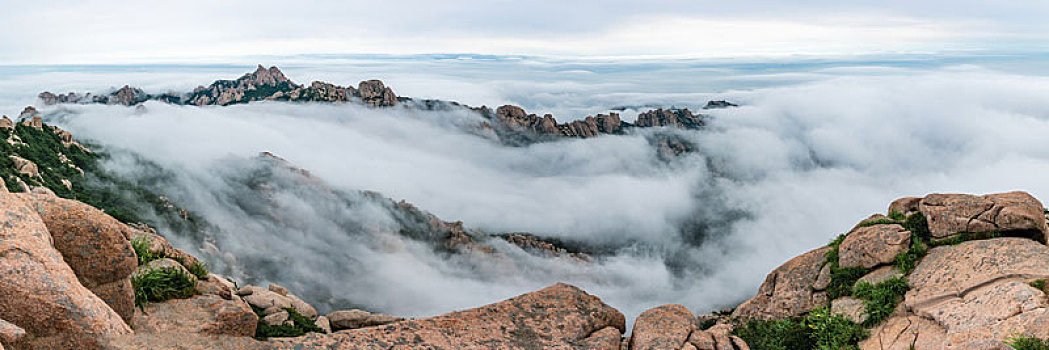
(510, 123)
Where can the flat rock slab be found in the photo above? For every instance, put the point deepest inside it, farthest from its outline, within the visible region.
(557, 317)
(208, 314)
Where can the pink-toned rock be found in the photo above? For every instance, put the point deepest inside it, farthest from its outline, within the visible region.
(6, 123)
(606, 338)
(207, 314)
(94, 245)
(717, 337)
(880, 274)
(25, 166)
(215, 285)
(560, 317)
(183, 341)
(852, 308)
(787, 291)
(905, 205)
(40, 293)
(10, 333)
(823, 278)
(663, 327)
(950, 214)
(978, 290)
(873, 245)
(353, 319)
(905, 333)
(374, 93)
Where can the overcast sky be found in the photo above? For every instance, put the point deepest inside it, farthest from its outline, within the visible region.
(124, 31)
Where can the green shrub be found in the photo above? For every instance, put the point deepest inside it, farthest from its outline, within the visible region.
(898, 216)
(882, 298)
(833, 332)
(785, 334)
(842, 279)
(908, 260)
(1027, 343)
(918, 226)
(817, 330)
(162, 284)
(299, 327)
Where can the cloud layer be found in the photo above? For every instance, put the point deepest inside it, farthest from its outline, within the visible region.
(793, 167)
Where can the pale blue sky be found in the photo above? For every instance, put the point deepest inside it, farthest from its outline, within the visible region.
(124, 31)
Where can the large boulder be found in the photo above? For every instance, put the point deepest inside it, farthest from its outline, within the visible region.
(94, 245)
(10, 333)
(207, 314)
(663, 327)
(25, 166)
(787, 291)
(875, 245)
(40, 293)
(560, 316)
(1012, 212)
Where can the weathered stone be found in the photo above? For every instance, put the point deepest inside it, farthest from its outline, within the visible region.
(302, 307)
(682, 118)
(905, 205)
(717, 337)
(823, 279)
(353, 319)
(951, 214)
(559, 317)
(880, 274)
(183, 341)
(276, 319)
(25, 166)
(162, 264)
(40, 292)
(215, 285)
(6, 123)
(94, 245)
(278, 289)
(787, 291)
(207, 314)
(606, 338)
(263, 298)
(10, 333)
(323, 323)
(905, 333)
(873, 245)
(852, 308)
(663, 327)
(374, 93)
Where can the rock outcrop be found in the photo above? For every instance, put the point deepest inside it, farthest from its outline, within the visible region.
(875, 245)
(788, 290)
(560, 316)
(94, 245)
(203, 314)
(374, 93)
(682, 118)
(1014, 212)
(40, 293)
(354, 319)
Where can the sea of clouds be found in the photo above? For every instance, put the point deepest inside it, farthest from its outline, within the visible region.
(810, 152)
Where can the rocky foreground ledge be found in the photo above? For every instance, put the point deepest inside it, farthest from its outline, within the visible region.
(944, 271)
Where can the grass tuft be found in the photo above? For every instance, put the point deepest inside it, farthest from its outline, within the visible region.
(162, 284)
(1027, 343)
(882, 298)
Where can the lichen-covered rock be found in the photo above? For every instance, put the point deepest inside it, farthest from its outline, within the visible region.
(10, 333)
(206, 314)
(663, 327)
(873, 245)
(560, 316)
(787, 291)
(951, 214)
(40, 292)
